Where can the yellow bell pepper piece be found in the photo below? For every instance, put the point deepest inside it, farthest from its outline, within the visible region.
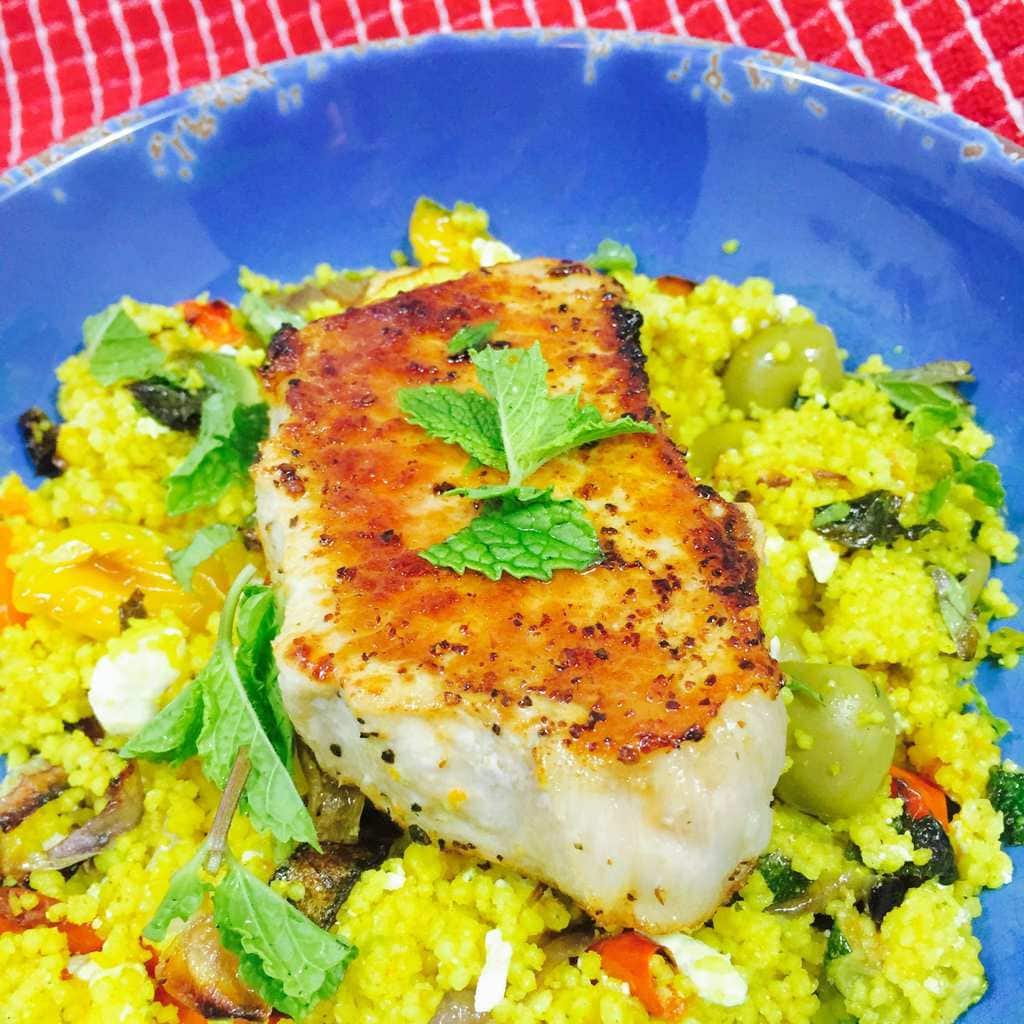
(81, 576)
(456, 238)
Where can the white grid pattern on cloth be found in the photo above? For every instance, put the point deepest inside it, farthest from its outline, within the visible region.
(209, 48)
(853, 43)
(167, 43)
(248, 41)
(81, 30)
(995, 70)
(788, 31)
(49, 70)
(923, 57)
(281, 27)
(13, 96)
(128, 52)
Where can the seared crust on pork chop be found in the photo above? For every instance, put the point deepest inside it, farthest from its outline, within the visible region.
(649, 667)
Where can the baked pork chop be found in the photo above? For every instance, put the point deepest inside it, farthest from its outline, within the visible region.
(613, 732)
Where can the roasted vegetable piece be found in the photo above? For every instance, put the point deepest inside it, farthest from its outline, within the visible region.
(920, 796)
(198, 972)
(842, 737)
(214, 320)
(1006, 791)
(123, 811)
(336, 810)
(778, 873)
(866, 521)
(40, 433)
(35, 784)
(928, 834)
(329, 877)
(9, 615)
(16, 916)
(173, 406)
(458, 1008)
(627, 957)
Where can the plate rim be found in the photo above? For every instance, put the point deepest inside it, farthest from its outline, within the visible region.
(986, 146)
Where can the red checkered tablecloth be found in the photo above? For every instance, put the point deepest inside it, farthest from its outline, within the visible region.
(67, 64)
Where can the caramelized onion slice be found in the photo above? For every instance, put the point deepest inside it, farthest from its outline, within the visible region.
(36, 784)
(335, 809)
(122, 813)
(457, 1008)
(197, 971)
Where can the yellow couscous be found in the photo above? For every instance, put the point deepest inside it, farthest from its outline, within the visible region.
(421, 919)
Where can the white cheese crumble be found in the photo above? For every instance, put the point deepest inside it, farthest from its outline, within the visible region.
(395, 878)
(125, 687)
(785, 304)
(490, 986)
(149, 427)
(711, 972)
(740, 325)
(489, 251)
(823, 561)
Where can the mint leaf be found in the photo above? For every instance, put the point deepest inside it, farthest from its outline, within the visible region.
(523, 540)
(183, 898)
(956, 612)
(931, 405)
(119, 348)
(611, 256)
(982, 477)
(535, 427)
(472, 336)
(465, 418)
(231, 722)
(229, 437)
(257, 623)
(224, 374)
(282, 955)
(207, 542)
(941, 371)
(524, 495)
(934, 499)
(829, 514)
(265, 318)
(171, 735)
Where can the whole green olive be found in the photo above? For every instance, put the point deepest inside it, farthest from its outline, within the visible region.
(703, 454)
(842, 737)
(767, 368)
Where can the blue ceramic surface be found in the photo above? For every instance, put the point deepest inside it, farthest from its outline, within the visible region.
(901, 226)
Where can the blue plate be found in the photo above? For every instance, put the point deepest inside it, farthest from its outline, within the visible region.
(903, 227)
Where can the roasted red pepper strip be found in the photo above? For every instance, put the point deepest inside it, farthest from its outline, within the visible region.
(81, 938)
(214, 321)
(920, 796)
(627, 957)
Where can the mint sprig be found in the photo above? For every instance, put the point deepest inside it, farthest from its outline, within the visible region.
(515, 426)
(118, 348)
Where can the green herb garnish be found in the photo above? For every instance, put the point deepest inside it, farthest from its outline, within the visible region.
(956, 612)
(220, 712)
(233, 717)
(1000, 726)
(1006, 791)
(118, 348)
(780, 876)
(206, 543)
(516, 427)
(837, 945)
(265, 318)
(927, 396)
(283, 955)
(471, 337)
(611, 256)
(800, 689)
(866, 521)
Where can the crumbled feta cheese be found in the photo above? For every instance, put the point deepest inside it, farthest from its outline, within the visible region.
(148, 427)
(785, 304)
(823, 561)
(775, 647)
(740, 325)
(711, 972)
(395, 878)
(125, 687)
(935, 985)
(489, 251)
(490, 987)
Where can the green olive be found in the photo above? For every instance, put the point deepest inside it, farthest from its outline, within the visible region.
(703, 454)
(841, 745)
(767, 368)
(979, 567)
